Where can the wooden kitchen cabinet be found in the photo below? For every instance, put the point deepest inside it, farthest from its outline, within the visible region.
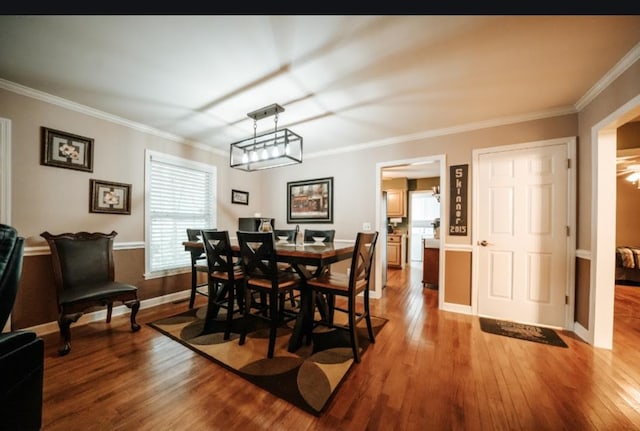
(431, 267)
(396, 203)
(396, 250)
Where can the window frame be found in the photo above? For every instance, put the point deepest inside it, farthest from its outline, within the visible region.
(150, 157)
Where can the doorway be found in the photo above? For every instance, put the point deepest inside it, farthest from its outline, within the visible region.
(436, 166)
(599, 329)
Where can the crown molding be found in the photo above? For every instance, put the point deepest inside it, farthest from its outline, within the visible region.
(83, 109)
(469, 127)
(625, 63)
(629, 59)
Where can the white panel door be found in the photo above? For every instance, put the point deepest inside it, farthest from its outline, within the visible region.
(523, 207)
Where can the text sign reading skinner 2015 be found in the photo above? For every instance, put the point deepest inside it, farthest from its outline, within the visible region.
(458, 201)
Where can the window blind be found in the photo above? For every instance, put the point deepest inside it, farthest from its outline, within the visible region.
(180, 194)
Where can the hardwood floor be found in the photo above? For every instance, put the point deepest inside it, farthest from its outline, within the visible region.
(428, 370)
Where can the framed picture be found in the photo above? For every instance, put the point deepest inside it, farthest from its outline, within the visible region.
(66, 150)
(239, 197)
(310, 201)
(109, 197)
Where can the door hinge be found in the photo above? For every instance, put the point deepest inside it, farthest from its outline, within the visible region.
(566, 299)
(568, 163)
(568, 231)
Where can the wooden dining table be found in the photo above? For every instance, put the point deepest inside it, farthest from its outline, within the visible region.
(308, 260)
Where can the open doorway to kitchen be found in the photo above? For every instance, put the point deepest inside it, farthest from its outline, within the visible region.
(424, 221)
(407, 175)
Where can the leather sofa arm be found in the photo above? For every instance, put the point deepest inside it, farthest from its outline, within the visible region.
(11, 341)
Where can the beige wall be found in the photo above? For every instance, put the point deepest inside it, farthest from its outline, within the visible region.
(54, 199)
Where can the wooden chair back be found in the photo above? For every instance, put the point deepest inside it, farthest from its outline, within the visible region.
(328, 234)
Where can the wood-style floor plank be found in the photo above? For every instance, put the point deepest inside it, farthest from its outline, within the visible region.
(428, 370)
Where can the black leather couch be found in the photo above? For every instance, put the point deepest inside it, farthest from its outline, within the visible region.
(21, 352)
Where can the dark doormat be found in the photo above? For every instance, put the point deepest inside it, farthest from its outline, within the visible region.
(522, 331)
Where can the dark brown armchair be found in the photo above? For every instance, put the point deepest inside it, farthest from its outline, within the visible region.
(83, 270)
(21, 352)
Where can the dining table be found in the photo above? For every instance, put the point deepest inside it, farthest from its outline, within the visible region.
(308, 259)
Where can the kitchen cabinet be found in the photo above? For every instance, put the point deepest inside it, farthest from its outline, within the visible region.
(396, 203)
(396, 250)
(431, 263)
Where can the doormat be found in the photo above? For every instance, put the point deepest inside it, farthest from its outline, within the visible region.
(522, 331)
(308, 378)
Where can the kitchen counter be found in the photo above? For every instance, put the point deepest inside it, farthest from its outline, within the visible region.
(431, 263)
(431, 243)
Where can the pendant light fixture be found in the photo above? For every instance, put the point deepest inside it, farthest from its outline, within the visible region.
(269, 149)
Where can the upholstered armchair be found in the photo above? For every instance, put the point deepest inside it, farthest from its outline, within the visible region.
(21, 352)
(83, 270)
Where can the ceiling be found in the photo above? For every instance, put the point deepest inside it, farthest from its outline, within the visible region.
(344, 81)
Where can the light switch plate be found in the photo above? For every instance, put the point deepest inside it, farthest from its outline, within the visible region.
(366, 226)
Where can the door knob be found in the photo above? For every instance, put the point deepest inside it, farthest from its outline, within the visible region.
(483, 243)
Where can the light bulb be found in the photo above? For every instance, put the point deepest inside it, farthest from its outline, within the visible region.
(245, 157)
(254, 156)
(264, 154)
(274, 152)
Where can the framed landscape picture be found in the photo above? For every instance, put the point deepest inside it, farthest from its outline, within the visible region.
(66, 150)
(310, 201)
(109, 197)
(239, 197)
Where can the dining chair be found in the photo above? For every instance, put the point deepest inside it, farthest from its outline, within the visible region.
(291, 237)
(289, 233)
(198, 264)
(349, 286)
(227, 277)
(83, 270)
(328, 235)
(262, 275)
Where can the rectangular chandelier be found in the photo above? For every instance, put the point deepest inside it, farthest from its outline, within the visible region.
(269, 149)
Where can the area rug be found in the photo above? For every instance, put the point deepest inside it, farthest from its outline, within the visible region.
(521, 331)
(308, 378)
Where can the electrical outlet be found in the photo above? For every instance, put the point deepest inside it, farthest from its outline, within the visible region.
(366, 226)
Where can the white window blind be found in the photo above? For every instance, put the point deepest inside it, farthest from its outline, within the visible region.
(180, 194)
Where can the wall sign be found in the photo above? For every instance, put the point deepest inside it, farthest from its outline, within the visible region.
(458, 176)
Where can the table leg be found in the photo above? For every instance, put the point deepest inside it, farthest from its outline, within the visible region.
(304, 322)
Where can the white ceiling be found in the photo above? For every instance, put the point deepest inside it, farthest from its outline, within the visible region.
(344, 81)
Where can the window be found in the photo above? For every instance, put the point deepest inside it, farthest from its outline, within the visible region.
(180, 194)
(424, 210)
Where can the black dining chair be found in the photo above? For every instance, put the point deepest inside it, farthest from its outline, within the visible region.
(349, 286)
(198, 264)
(328, 235)
(289, 233)
(263, 275)
(227, 277)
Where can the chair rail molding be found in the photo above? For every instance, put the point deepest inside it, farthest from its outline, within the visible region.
(39, 250)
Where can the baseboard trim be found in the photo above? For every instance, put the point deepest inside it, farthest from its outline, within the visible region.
(51, 327)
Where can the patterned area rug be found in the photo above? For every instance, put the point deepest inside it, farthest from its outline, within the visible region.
(307, 378)
(521, 331)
